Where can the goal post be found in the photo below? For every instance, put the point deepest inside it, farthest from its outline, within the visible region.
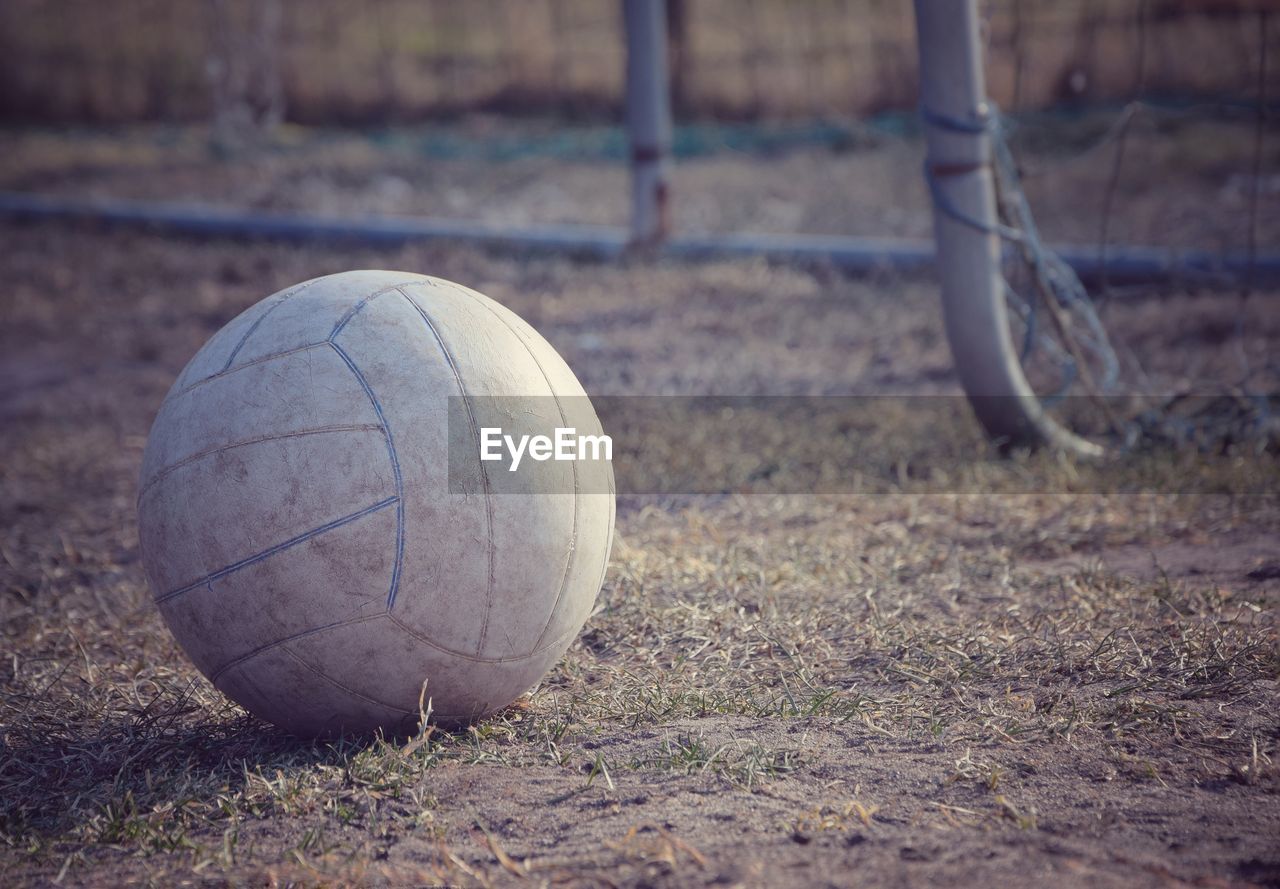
(956, 117)
(648, 118)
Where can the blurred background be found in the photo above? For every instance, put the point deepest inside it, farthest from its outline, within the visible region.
(509, 111)
(1131, 123)
(379, 61)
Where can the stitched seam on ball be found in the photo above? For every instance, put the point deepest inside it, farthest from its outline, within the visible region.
(257, 321)
(477, 659)
(336, 684)
(185, 461)
(484, 472)
(573, 536)
(240, 659)
(359, 307)
(613, 516)
(279, 547)
(395, 469)
(228, 369)
(239, 367)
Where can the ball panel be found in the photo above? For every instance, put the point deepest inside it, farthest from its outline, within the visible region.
(274, 685)
(582, 580)
(531, 534)
(223, 345)
(165, 535)
(444, 571)
(559, 375)
(392, 665)
(290, 394)
(533, 552)
(334, 577)
(313, 315)
(594, 479)
(242, 503)
(488, 357)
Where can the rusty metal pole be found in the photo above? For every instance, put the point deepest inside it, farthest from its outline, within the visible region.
(648, 119)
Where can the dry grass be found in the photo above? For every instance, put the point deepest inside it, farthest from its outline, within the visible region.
(718, 629)
(772, 689)
(962, 670)
(1186, 182)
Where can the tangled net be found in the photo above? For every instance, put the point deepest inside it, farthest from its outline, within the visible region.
(1094, 387)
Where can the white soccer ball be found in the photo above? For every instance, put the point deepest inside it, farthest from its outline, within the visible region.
(298, 524)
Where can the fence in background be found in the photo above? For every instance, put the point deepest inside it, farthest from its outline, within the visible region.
(396, 60)
(998, 330)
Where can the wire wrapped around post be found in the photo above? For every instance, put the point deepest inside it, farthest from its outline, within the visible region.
(968, 231)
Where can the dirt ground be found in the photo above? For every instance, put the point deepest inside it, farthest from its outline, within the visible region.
(1184, 181)
(1054, 686)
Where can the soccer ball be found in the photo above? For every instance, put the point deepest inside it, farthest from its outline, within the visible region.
(320, 545)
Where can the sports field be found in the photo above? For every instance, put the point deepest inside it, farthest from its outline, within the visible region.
(1035, 679)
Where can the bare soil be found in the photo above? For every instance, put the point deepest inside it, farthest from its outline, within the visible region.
(1185, 178)
(1053, 686)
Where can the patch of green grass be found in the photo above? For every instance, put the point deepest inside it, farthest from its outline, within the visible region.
(742, 762)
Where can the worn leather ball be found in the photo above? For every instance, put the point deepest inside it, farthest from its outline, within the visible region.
(317, 548)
